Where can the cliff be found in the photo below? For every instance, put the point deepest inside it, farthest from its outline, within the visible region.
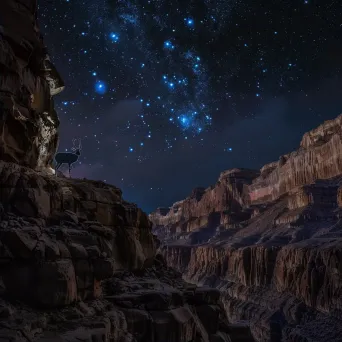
(77, 262)
(28, 121)
(275, 249)
(80, 263)
(205, 209)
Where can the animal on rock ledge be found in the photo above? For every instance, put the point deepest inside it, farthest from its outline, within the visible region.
(68, 157)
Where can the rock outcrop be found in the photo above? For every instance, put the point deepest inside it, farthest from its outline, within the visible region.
(28, 121)
(78, 263)
(206, 209)
(276, 252)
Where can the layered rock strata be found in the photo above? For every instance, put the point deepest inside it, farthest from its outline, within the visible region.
(276, 256)
(205, 209)
(28, 121)
(78, 263)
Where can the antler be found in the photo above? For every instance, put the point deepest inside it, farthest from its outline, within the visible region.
(74, 144)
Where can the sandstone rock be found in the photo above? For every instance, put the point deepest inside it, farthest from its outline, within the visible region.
(274, 255)
(28, 121)
(205, 209)
(96, 280)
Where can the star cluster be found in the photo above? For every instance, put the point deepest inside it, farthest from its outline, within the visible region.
(154, 84)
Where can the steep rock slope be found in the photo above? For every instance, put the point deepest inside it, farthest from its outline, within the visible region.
(278, 266)
(205, 209)
(78, 263)
(28, 121)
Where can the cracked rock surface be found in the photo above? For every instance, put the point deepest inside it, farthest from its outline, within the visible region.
(28, 121)
(78, 263)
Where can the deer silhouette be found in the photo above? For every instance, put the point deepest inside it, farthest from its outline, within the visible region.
(68, 157)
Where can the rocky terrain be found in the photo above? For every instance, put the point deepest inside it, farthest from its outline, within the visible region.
(77, 262)
(270, 240)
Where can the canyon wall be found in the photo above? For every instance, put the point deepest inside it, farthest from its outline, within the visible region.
(28, 121)
(79, 263)
(276, 251)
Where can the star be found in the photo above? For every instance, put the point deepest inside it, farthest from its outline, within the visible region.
(114, 37)
(100, 87)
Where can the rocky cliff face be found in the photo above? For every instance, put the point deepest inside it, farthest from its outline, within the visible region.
(206, 209)
(276, 252)
(28, 121)
(80, 263)
(77, 262)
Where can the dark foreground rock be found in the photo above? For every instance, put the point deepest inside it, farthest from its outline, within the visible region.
(78, 263)
(269, 240)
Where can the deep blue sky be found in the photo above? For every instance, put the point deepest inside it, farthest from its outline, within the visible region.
(167, 94)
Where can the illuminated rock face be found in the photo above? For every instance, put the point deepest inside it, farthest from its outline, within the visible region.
(275, 253)
(28, 121)
(206, 208)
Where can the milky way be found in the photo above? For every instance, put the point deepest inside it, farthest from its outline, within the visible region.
(163, 93)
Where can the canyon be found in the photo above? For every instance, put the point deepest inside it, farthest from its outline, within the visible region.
(77, 262)
(255, 257)
(270, 240)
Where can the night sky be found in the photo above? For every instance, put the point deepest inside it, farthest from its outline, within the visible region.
(167, 94)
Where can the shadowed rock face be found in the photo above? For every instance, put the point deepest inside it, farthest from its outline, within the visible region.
(79, 263)
(28, 121)
(277, 256)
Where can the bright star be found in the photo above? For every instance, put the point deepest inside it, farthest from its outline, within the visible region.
(168, 45)
(100, 87)
(185, 121)
(114, 37)
(189, 22)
